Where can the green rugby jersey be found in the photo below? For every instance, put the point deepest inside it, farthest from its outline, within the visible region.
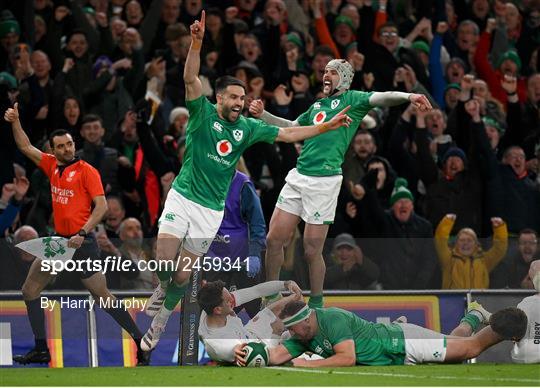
(323, 154)
(213, 147)
(375, 343)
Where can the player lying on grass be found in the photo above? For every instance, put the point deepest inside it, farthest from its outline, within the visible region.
(221, 330)
(342, 338)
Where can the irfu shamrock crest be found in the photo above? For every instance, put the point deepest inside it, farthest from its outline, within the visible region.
(52, 247)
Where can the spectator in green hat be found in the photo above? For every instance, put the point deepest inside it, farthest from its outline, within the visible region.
(422, 49)
(494, 131)
(9, 30)
(344, 32)
(451, 96)
(9, 36)
(8, 80)
(509, 64)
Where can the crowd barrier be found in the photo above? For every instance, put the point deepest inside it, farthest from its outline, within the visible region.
(79, 336)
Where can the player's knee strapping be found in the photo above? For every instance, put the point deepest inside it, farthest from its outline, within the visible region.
(472, 320)
(164, 278)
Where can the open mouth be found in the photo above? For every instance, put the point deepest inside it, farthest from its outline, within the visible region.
(236, 109)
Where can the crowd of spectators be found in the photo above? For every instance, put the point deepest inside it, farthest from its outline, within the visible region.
(443, 199)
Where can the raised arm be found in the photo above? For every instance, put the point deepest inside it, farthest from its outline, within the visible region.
(256, 109)
(260, 290)
(292, 134)
(21, 139)
(397, 98)
(193, 60)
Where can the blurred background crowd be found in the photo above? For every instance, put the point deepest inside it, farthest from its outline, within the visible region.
(469, 169)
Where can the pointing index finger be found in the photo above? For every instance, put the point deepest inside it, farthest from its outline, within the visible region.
(203, 17)
(345, 110)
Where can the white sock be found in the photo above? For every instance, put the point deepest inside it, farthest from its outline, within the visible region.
(163, 316)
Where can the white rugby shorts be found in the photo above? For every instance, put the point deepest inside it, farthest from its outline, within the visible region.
(423, 345)
(312, 198)
(195, 224)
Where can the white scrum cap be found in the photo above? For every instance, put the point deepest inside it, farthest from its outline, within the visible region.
(345, 71)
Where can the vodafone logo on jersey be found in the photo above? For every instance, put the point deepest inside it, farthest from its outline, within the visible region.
(224, 147)
(319, 117)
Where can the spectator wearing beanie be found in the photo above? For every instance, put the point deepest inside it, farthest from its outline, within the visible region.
(9, 36)
(509, 63)
(466, 265)
(406, 253)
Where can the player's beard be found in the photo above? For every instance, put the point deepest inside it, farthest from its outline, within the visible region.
(230, 115)
(329, 90)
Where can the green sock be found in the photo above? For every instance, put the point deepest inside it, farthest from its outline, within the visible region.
(316, 301)
(174, 293)
(472, 320)
(164, 278)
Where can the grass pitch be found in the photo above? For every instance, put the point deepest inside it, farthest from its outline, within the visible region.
(430, 375)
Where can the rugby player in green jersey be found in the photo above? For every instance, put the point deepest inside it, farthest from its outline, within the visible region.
(342, 338)
(311, 189)
(217, 135)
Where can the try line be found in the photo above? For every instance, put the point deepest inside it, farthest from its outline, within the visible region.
(316, 371)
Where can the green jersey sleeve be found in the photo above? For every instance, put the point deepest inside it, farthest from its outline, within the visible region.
(196, 109)
(361, 100)
(294, 347)
(260, 131)
(303, 120)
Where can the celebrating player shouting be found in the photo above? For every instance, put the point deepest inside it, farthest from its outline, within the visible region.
(217, 135)
(75, 187)
(311, 190)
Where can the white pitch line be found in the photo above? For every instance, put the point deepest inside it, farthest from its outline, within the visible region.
(336, 372)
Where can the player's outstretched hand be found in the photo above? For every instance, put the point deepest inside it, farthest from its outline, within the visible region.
(293, 287)
(496, 222)
(239, 355)
(420, 102)
(340, 120)
(256, 108)
(12, 114)
(198, 27)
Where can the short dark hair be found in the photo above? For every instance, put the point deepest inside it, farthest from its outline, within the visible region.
(362, 131)
(323, 50)
(223, 82)
(55, 133)
(76, 31)
(510, 323)
(528, 231)
(291, 308)
(210, 296)
(387, 25)
(90, 118)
